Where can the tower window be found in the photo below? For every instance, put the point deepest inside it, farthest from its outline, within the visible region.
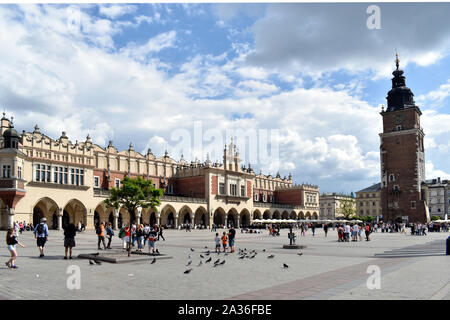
(413, 204)
(399, 128)
(391, 177)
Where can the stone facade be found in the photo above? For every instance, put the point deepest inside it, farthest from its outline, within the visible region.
(437, 193)
(68, 182)
(330, 205)
(368, 201)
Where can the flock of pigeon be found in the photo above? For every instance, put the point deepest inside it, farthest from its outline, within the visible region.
(242, 254)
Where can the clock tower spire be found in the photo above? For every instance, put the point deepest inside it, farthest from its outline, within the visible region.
(402, 155)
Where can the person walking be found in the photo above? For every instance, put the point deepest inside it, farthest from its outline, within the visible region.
(367, 229)
(231, 237)
(11, 241)
(313, 229)
(160, 233)
(140, 236)
(109, 234)
(69, 240)
(133, 233)
(347, 230)
(41, 236)
(325, 229)
(151, 242)
(101, 235)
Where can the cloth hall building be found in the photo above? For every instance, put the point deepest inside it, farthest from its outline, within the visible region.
(68, 182)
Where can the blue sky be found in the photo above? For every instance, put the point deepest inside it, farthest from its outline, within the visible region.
(312, 75)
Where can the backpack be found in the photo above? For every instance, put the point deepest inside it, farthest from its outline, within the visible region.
(98, 230)
(40, 229)
(121, 233)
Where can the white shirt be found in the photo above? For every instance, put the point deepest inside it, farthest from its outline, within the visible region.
(347, 228)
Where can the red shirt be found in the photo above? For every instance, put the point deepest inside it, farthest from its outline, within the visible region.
(127, 232)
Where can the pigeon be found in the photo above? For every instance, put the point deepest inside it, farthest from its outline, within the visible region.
(153, 261)
(300, 253)
(225, 254)
(200, 263)
(192, 250)
(189, 256)
(285, 266)
(242, 257)
(91, 262)
(253, 256)
(206, 247)
(217, 261)
(189, 263)
(187, 271)
(222, 263)
(97, 262)
(264, 250)
(201, 256)
(271, 256)
(209, 260)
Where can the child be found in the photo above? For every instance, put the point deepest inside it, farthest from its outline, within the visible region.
(217, 239)
(224, 241)
(151, 241)
(11, 241)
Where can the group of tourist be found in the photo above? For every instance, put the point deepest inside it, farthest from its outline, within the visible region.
(356, 232)
(141, 234)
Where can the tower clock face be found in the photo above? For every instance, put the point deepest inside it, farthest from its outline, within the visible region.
(398, 118)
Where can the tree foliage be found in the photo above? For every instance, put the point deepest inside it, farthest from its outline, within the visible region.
(133, 194)
(347, 207)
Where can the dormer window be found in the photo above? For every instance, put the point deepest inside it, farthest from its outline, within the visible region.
(399, 128)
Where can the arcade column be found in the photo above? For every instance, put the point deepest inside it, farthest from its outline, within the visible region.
(116, 219)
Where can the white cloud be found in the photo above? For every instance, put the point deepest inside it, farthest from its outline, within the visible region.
(76, 82)
(115, 11)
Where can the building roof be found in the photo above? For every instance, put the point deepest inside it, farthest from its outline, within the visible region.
(372, 188)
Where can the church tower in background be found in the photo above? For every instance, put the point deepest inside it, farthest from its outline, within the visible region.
(402, 155)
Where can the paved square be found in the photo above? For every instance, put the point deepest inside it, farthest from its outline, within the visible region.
(412, 267)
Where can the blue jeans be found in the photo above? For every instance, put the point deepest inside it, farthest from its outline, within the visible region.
(140, 242)
(133, 239)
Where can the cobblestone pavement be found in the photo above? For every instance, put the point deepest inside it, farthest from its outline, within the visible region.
(327, 269)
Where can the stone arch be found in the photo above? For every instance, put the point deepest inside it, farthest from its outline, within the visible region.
(125, 217)
(308, 215)
(293, 215)
(315, 216)
(245, 218)
(46, 208)
(257, 214)
(168, 216)
(232, 217)
(219, 217)
(148, 216)
(285, 215)
(185, 215)
(267, 214)
(301, 215)
(73, 212)
(102, 213)
(276, 215)
(201, 217)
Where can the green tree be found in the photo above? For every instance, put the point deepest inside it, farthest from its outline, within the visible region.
(133, 194)
(434, 218)
(347, 207)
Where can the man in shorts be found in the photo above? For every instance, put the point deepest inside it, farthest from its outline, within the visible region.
(231, 236)
(41, 235)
